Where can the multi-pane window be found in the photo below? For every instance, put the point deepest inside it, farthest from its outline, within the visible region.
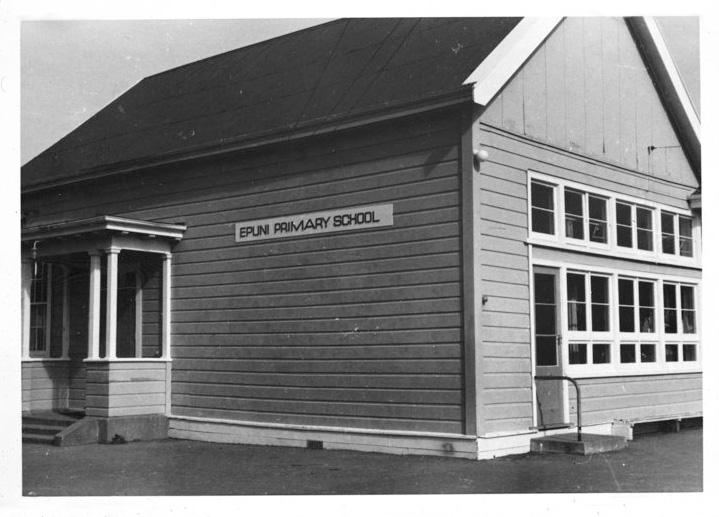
(585, 216)
(40, 310)
(570, 214)
(597, 318)
(680, 322)
(542, 208)
(635, 228)
(677, 235)
(588, 313)
(679, 309)
(636, 306)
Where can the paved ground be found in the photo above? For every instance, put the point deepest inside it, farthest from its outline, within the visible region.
(651, 463)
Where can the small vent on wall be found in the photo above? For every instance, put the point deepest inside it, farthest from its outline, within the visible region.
(315, 444)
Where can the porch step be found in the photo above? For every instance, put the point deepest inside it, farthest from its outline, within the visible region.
(37, 438)
(567, 443)
(42, 427)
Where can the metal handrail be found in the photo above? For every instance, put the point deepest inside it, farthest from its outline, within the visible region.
(579, 397)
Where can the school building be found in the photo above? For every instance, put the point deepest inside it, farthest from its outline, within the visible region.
(375, 234)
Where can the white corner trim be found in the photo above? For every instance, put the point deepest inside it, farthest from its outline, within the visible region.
(506, 58)
(673, 72)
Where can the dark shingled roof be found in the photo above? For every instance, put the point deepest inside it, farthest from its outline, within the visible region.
(323, 74)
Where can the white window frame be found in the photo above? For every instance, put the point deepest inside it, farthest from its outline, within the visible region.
(28, 354)
(614, 337)
(676, 234)
(560, 241)
(47, 324)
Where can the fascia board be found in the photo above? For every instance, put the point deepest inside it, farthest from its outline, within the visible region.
(507, 57)
(671, 69)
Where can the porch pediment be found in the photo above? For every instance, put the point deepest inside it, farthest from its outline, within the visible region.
(103, 232)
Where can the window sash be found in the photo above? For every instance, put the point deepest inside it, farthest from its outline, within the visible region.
(40, 311)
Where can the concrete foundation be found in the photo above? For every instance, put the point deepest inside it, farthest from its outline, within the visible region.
(567, 443)
(123, 429)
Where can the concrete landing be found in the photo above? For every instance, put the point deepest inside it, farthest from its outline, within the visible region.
(567, 443)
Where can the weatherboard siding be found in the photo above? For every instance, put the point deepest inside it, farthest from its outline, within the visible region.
(45, 385)
(504, 265)
(353, 329)
(125, 388)
(506, 399)
(638, 398)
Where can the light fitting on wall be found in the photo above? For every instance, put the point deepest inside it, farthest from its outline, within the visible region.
(480, 155)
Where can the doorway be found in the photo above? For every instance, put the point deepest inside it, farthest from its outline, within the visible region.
(548, 355)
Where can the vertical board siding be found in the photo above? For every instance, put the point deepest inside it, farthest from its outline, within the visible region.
(638, 398)
(352, 329)
(587, 90)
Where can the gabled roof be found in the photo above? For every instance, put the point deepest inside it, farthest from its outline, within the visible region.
(308, 78)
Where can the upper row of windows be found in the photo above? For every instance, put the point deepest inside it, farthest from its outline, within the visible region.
(586, 218)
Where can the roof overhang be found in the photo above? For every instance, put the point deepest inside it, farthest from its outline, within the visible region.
(673, 92)
(104, 224)
(507, 57)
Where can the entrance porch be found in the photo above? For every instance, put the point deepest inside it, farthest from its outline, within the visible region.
(96, 309)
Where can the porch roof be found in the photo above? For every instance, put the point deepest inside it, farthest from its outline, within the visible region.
(104, 224)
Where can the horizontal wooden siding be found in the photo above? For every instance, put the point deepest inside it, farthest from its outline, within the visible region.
(352, 329)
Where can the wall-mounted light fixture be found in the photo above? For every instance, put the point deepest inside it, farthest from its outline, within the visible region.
(480, 155)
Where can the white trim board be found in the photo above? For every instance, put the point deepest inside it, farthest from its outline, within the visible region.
(507, 57)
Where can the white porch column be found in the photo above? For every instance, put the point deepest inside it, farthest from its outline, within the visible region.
(111, 314)
(93, 318)
(166, 304)
(26, 286)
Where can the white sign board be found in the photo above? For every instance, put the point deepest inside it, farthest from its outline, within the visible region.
(357, 218)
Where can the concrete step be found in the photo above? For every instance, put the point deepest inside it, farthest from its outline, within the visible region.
(38, 438)
(42, 429)
(567, 443)
(43, 426)
(57, 419)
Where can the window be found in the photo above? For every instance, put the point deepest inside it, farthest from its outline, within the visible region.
(677, 242)
(568, 215)
(634, 226)
(542, 208)
(585, 216)
(622, 324)
(598, 219)
(597, 319)
(679, 305)
(40, 294)
(636, 306)
(686, 240)
(588, 318)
